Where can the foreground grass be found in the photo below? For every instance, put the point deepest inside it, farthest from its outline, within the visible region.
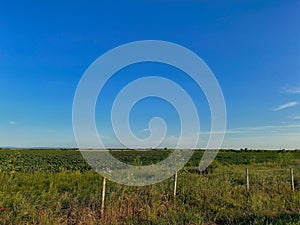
(73, 196)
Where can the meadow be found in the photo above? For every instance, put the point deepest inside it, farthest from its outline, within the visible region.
(58, 187)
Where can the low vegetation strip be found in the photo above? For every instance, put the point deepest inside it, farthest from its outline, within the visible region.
(58, 187)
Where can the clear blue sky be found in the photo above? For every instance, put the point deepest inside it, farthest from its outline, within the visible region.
(253, 48)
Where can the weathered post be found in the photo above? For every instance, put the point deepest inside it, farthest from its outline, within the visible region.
(292, 179)
(175, 183)
(103, 195)
(247, 179)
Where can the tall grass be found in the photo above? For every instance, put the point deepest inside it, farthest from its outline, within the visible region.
(217, 197)
(72, 197)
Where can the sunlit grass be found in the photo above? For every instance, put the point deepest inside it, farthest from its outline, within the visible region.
(73, 196)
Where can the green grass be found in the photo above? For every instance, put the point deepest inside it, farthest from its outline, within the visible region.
(57, 160)
(61, 186)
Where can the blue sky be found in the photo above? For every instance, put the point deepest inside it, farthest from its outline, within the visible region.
(253, 48)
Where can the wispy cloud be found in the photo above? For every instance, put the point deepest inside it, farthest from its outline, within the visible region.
(294, 117)
(145, 130)
(12, 123)
(284, 106)
(294, 90)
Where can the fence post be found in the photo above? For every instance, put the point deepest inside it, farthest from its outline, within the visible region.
(247, 179)
(175, 183)
(292, 179)
(103, 195)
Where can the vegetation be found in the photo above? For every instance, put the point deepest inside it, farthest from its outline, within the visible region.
(58, 187)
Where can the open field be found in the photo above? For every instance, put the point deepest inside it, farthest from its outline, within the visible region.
(58, 187)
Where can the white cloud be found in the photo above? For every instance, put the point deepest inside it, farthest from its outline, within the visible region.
(284, 106)
(294, 117)
(145, 130)
(275, 141)
(12, 123)
(295, 90)
(281, 135)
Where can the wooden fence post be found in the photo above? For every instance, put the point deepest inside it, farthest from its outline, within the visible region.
(247, 179)
(103, 195)
(175, 184)
(292, 179)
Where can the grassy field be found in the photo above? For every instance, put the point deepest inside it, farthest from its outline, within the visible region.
(58, 187)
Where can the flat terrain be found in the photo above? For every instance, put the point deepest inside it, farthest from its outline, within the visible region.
(58, 187)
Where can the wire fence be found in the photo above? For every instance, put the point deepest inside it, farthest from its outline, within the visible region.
(250, 178)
